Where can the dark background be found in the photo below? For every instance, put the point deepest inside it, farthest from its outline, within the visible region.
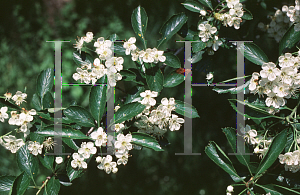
(25, 26)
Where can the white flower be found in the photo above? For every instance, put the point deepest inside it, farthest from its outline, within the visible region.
(214, 43)
(106, 164)
(123, 142)
(117, 108)
(117, 127)
(103, 48)
(249, 134)
(79, 44)
(147, 56)
(12, 144)
(281, 89)
(287, 158)
(48, 143)
(99, 136)
(269, 71)
(35, 148)
(78, 161)
(113, 78)
(89, 37)
(174, 122)
(3, 114)
(286, 60)
(19, 97)
(253, 81)
(148, 98)
(203, 12)
(209, 76)
(83, 75)
(87, 149)
(59, 160)
(206, 30)
(130, 45)
(274, 100)
(158, 56)
(99, 69)
(122, 158)
(229, 188)
(114, 64)
(7, 96)
(170, 104)
(237, 10)
(231, 3)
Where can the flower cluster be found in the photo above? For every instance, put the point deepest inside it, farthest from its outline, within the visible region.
(23, 119)
(291, 161)
(234, 15)
(122, 146)
(84, 152)
(12, 143)
(281, 21)
(157, 120)
(35, 148)
(277, 84)
(251, 137)
(79, 44)
(106, 64)
(147, 56)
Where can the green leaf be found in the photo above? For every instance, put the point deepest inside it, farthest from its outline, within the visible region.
(207, 3)
(188, 110)
(79, 61)
(154, 77)
(198, 46)
(145, 140)
(273, 152)
(65, 133)
(171, 27)
(36, 102)
(172, 60)
(52, 187)
(27, 162)
(44, 82)
(196, 57)
(254, 54)
(193, 6)
(97, 102)
(251, 111)
(128, 75)
(47, 161)
(247, 15)
(135, 96)
(70, 143)
(21, 184)
(36, 137)
(48, 117)
(80, 116)
(269, 189)
(234, 90)
(128, 111)
(119, 49)
(48, 101)
(173, 79)
(11, 106)
(220, 158)
(73, 173)
(243, 159)
(289, 39)
(6, 184)
(139, 22)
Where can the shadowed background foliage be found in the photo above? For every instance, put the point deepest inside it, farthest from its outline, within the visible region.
(26, 26)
